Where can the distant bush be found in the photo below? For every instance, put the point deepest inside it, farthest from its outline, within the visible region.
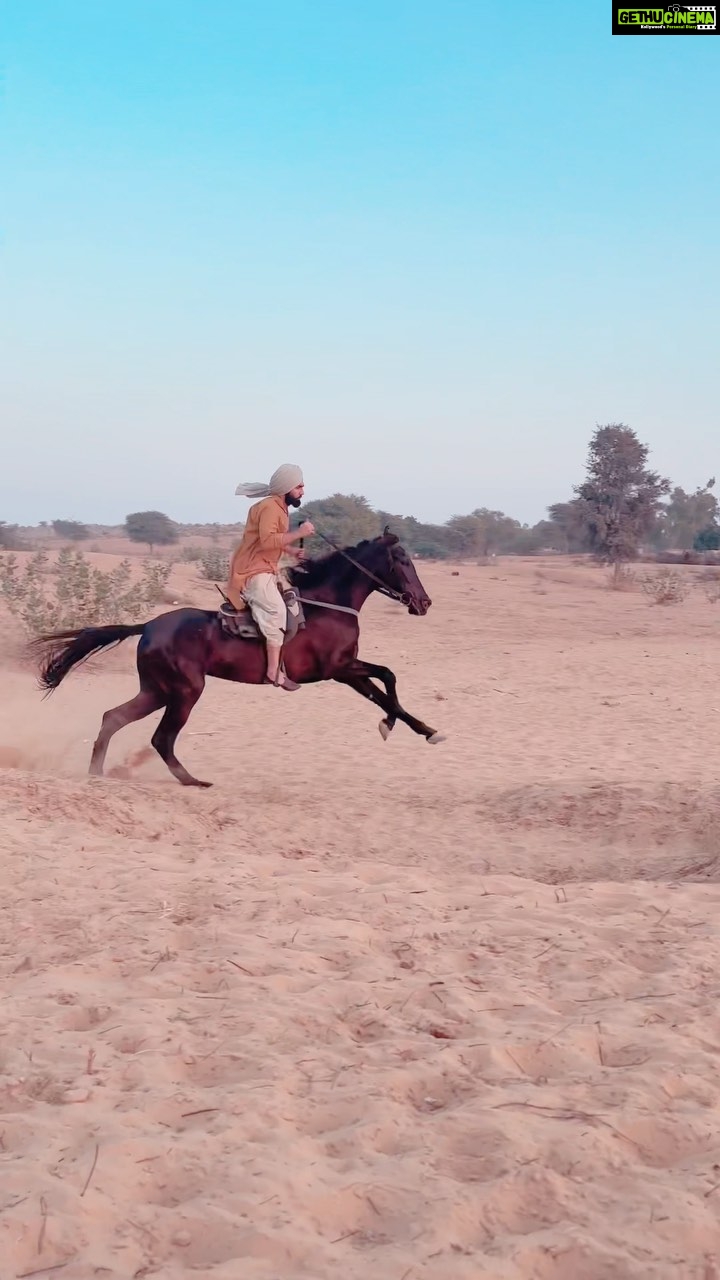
(189, 554)
(71, 530)
(683, 557)
(57, 597)
(9, 537)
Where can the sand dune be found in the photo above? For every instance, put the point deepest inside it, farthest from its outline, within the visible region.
(375, 1009)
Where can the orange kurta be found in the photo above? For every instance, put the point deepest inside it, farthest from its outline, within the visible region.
(261, 546)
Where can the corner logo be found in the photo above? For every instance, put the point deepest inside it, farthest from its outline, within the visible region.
(665, 20)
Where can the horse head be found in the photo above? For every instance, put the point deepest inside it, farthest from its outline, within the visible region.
(398, 572)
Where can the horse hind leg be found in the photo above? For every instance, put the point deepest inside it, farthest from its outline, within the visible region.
(143, 704)
(176, 715)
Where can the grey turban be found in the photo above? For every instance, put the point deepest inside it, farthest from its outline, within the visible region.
(287, 477)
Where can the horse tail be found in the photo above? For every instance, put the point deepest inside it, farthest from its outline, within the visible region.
(60, 652)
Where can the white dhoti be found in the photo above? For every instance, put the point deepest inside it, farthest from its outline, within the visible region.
(263, 598)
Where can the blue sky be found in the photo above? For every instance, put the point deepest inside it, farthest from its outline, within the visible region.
(419, 248)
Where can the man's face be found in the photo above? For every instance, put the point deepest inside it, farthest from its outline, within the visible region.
(295, 496)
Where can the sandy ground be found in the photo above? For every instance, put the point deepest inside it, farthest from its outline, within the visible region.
(370, 1009)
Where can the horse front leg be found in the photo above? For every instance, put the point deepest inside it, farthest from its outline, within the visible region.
(357, 676)
(388, 678)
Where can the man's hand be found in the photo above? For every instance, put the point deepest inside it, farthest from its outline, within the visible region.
(306, 530)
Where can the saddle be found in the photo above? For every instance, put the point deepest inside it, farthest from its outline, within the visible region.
(240, 624)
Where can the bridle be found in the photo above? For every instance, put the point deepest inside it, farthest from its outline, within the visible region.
(401, 596)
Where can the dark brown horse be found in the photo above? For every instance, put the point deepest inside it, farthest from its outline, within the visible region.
(178, 650)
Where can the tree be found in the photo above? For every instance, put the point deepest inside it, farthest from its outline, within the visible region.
(543, 536)
(153, 527)
(484, 532)
(71, 530)
(346, 518)
(619, 502)
(426, 541)
(570, 520)
(687, 514)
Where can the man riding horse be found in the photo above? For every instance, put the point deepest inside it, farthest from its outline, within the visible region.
(254, 568)
(179, 649)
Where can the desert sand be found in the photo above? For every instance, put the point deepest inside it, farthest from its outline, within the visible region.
(371, 1009)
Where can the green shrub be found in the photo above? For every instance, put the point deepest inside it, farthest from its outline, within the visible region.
(70, 593)
(215, 565)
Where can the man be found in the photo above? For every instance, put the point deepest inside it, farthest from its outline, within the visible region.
(254, 568)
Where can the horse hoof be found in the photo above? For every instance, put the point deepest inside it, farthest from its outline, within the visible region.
(384, 730)
(435, 738)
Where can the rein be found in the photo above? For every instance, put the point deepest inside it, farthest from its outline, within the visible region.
(382, 587)
(325, 604)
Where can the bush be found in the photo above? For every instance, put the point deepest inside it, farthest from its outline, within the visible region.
(71, 594)
(710, 584)
(621, 578)
(675, 557)
(215, 565)
(666, 587)
(190, 554)
(708, 539)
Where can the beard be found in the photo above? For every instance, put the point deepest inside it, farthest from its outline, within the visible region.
(292, 502)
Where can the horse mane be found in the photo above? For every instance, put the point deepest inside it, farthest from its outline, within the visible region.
(316, 572)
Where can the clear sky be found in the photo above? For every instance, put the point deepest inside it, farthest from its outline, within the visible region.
(421, 248)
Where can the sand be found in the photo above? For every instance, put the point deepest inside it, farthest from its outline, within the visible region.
(375, 1009)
